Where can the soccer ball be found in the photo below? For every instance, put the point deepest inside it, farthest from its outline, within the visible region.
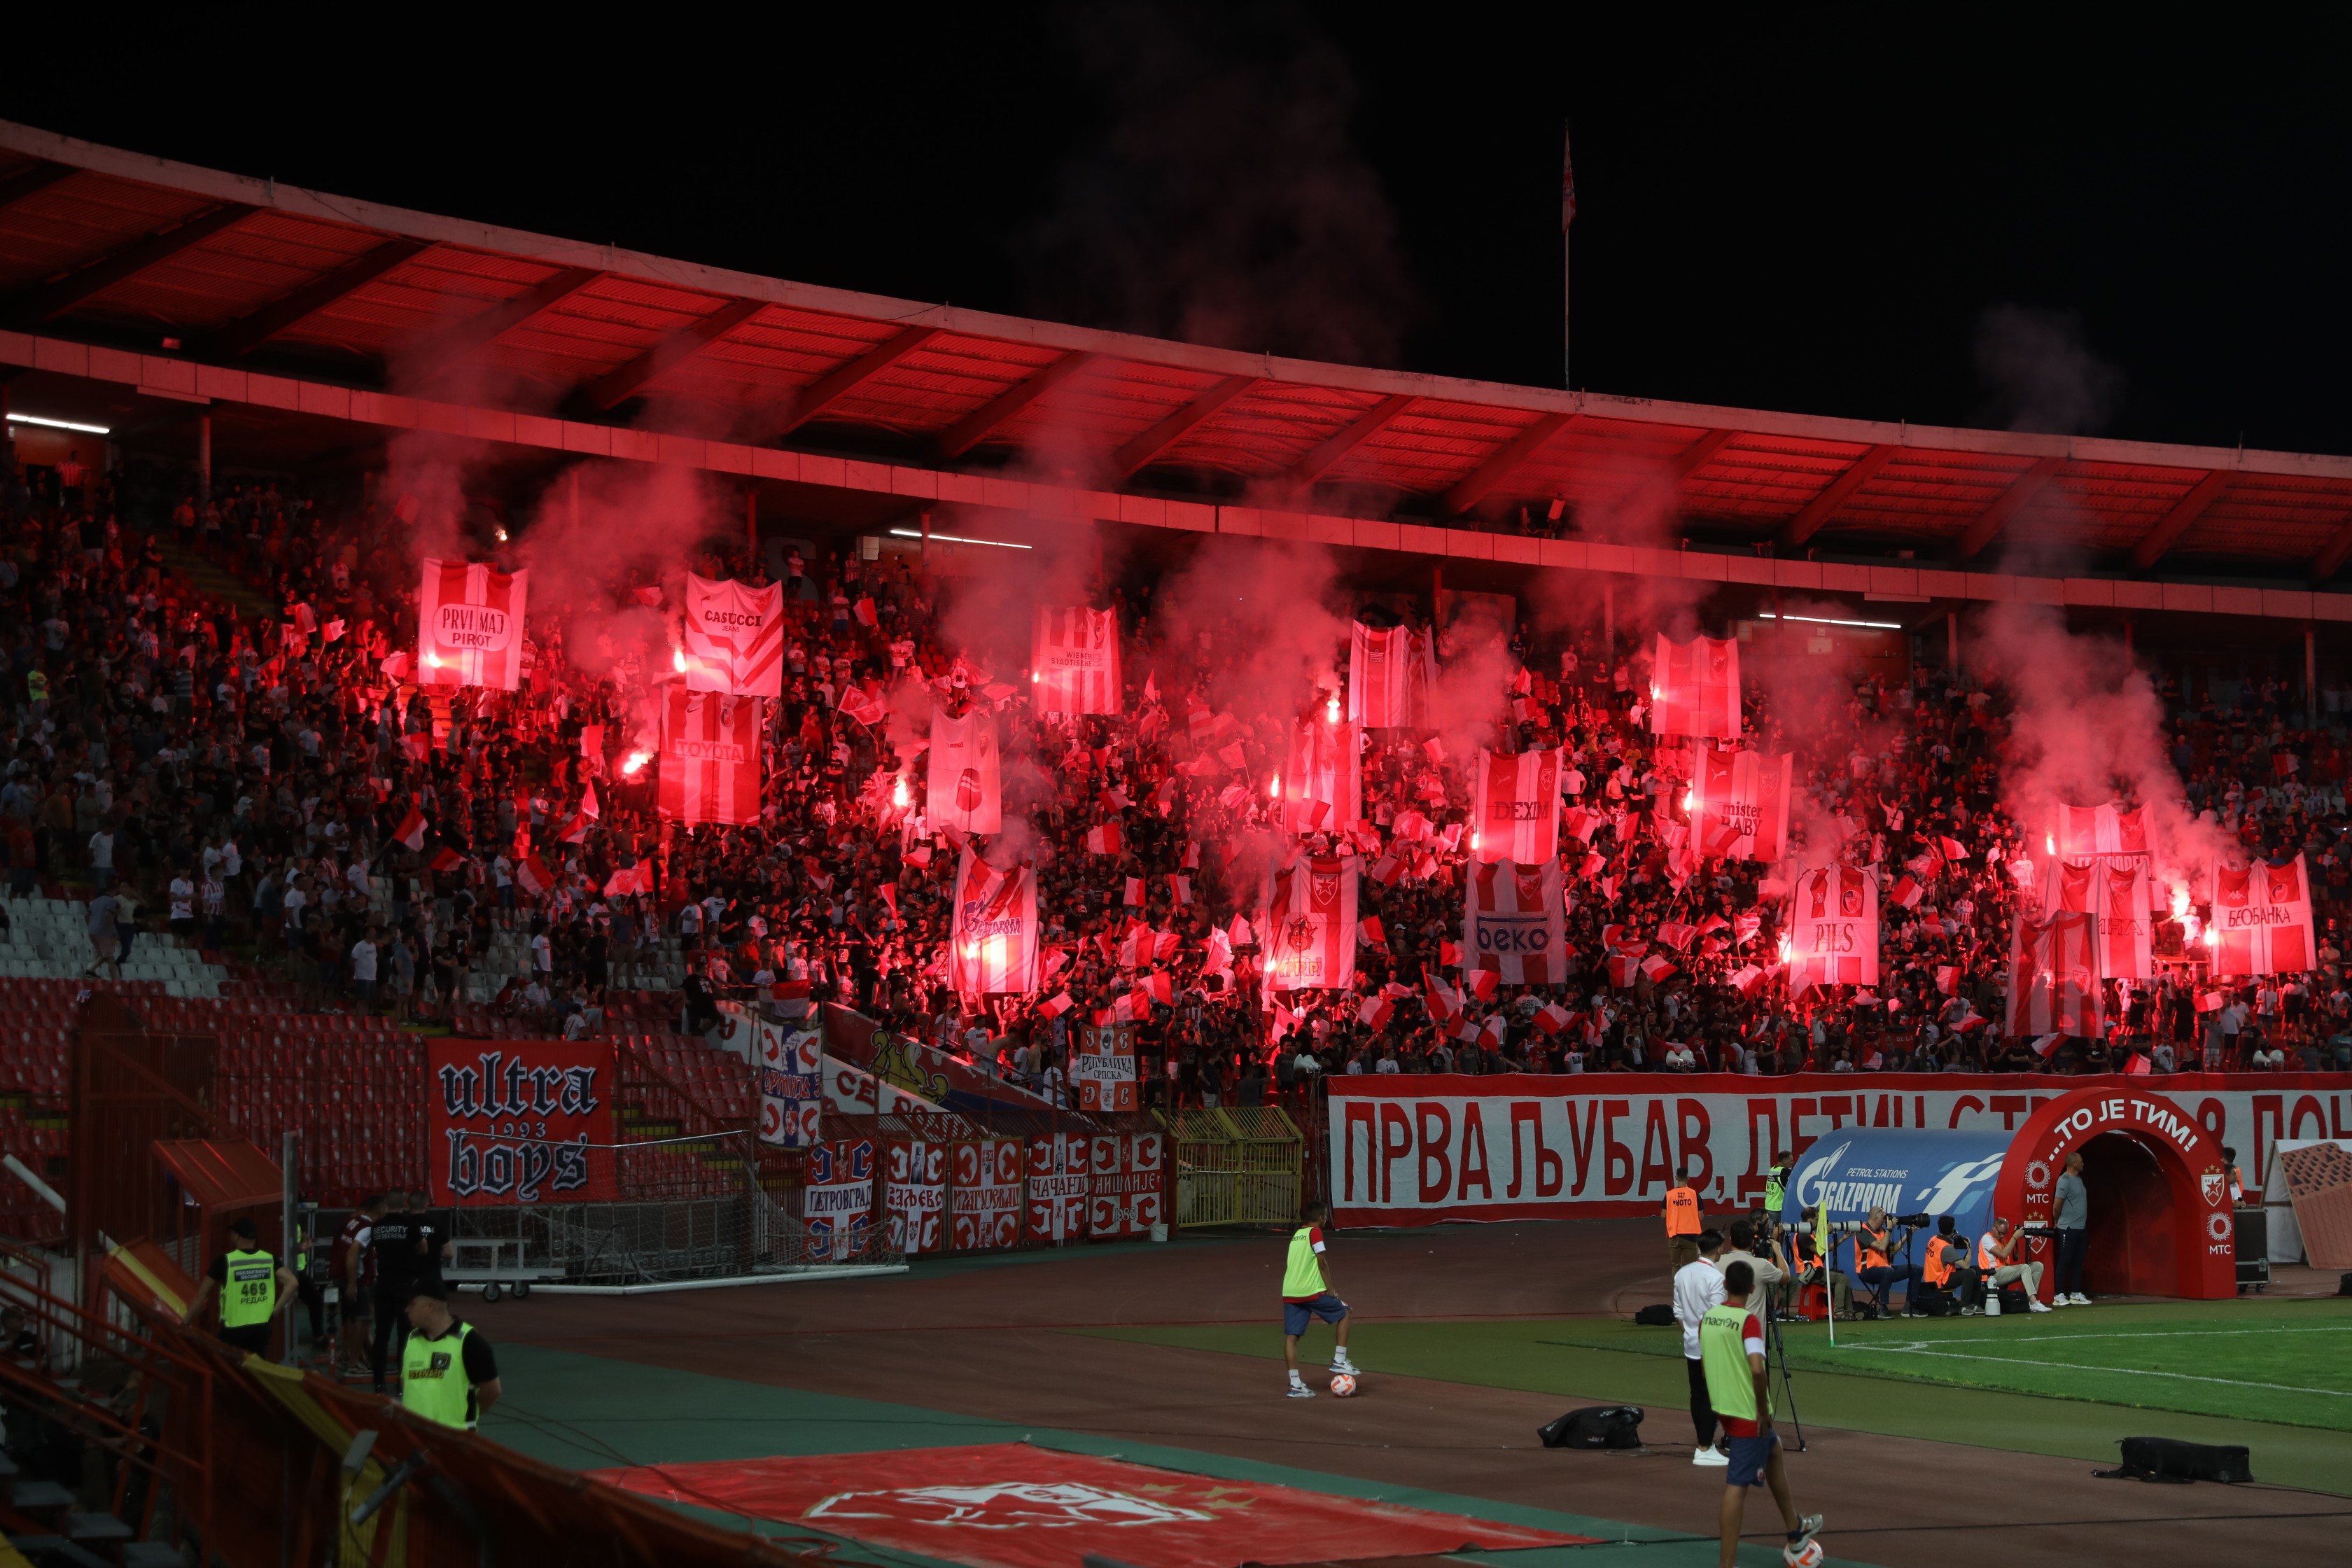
(1343, 1384)
(1809, 1555)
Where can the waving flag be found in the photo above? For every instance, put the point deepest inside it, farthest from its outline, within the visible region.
(966, 788)
(709, 758)
(2261, 919)
(2126, 924)
(993, 947)
(469, 625)
(860, 704)
(1323, 788)
(1740, 804)
(531, 875)
(1832, 926)
(2053, 982)
(734, 638)
(411, 830)
(1311, 924)
(1695, 687)
(1074, 661)
(1389, 674)
(1511, 923)
(1516, 807)
(2105, 829)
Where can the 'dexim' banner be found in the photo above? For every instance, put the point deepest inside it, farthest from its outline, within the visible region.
(519, 1121)
(1415, 1150)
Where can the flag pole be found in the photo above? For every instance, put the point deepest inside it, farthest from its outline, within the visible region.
(1567, 217)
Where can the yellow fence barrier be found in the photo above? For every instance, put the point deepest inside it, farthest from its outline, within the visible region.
(1236, 1166)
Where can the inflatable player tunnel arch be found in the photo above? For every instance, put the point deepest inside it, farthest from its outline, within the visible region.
(2160, 1222)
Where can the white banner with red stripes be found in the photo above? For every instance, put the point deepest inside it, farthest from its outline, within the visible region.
(734, 638)
(1323, 787)
(1833, 928)
(1740, 804)
(2118, 891)
(1511, 923)
(1074, 661)
(993, 945)
(966, 789)
(1517, 807)
(1389, 674)
(469, 625)
(1695, 687)
(2105, 829)
(2053, 976)
(710, 757)
(1309, 923)
(2261, 919)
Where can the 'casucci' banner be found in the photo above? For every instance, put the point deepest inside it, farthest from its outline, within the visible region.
(1419, 1149)
(519, 1121)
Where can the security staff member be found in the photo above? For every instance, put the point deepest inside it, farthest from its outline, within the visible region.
(408, 1247)
(249, 1283)
(447, 1372)
(1776, 1184)
(1682, 1222)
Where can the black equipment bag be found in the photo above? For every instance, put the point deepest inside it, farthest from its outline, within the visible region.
(1657, 1316)
(1595, 1426)
(1934, 1304)
(2013, 1298)
(2170, 1459)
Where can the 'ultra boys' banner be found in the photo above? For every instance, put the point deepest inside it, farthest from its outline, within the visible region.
(524, 1121)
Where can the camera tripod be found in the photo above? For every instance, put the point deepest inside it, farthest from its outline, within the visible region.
(1776, 1353)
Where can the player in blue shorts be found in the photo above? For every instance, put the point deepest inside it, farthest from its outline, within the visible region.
(1307, 1294)
(1731, 1349)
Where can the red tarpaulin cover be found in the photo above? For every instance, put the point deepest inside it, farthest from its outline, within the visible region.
(1009, 1505)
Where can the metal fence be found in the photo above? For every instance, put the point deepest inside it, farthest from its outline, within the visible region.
(1238, 1165)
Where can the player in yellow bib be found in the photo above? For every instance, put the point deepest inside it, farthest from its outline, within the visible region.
(1307, 1294)
(1731, 1347)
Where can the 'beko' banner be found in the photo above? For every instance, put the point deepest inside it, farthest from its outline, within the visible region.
(1419, 1150)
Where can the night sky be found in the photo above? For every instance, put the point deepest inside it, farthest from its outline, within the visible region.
(2052, 225)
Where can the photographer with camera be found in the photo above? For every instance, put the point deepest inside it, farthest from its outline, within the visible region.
(1874, 1245)
(1811, 1270)
(1994, 1249)
(1771, 1265)
(1947, 1269)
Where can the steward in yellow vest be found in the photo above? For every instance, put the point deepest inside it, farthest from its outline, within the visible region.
(249, 1283)
(447, 1372)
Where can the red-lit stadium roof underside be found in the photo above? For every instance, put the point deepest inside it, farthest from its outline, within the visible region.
(133, 290)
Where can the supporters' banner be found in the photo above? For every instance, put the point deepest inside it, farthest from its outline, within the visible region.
(529, 1122)
(1389, 674)
(966, 789)
(1311, 924)
(852, 1090)
(792, 1091)
(734, 638)
(2261, 919)
(837, 1204)
(1103, 1067)
(1074, 661)
(1695, 687)
(2127, 898)
(1517, 807)
(924, 1072)
(993, 945)
(1124, 1185)
(1415, 1150)
(2053, 976)
(709, 757)
(1322, 788)
(1833, 928)
(1511, 920)
(1740, 804)
(984, 1196)
(1058, 1164)
(2105, 829)
(469, 624)
(914, 1195)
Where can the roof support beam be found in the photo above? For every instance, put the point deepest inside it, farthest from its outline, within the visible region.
(2334, 554)
(842, 380)
(977, 426)
(617, 386)
(2006, 505)
(34, 180)
(469, 337)
(2166, 530)
(290, 310)
(1503, 463)
(44, 300)
(1818, 511)
(1140, 451)
(1326, 455)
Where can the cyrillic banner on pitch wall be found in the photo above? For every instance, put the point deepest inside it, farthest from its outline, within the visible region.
(914, 1195)
(710, 759)
(984, 1200)
(790, 1064)
(837, 1204)
(524, 1121)
(1058, 1186)
(734, 638)
(1125, 1184)
(469, 625)
(1417, 1150)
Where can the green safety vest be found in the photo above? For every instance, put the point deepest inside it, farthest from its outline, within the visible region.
(433, 1381)
(1730, 1384)
(1304, 1276)
(1773, 1192)
(250, 1295)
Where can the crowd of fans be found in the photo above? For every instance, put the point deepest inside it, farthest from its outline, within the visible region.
(250, 769)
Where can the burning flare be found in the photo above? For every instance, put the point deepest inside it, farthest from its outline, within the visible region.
(678, 660)
(635, 759)
(898, 791)
(1273, 787)
(1331, 709)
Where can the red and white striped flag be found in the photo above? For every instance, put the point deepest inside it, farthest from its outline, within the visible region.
(1948, 979)
(2053, 978)
(1740, 804)
(1074, 661)
(1445, 1002)
(1311, 924)
(1516, 807)
(1906, 892)
(1482, 982)
(1552, 1018)
(1748, 980)
(1323, 785)
(411, 830)
(710, 758)
(444, 860)
(1374, 1014)
(469, 625)
(1832, 926)
(630, 880)
(531, 875)
(966, 784)
(2103, 829)
(1511, 923)
(1368, 932)
(2125, 922)
(1134, 899)
(1179, 888)
(864, 612)
(1389, 674)
(1695, 687)
(2261, 919)
(1951, 849)
(734, 638)
(863, 706)
(1054, 1007)
(1105, 838)
(992, 942)
(1658, 969)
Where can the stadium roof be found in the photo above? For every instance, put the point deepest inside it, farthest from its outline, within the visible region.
(116, 250)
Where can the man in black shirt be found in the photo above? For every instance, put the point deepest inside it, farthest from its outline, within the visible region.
(408, 1246)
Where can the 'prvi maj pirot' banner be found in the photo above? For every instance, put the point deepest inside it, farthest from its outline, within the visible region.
(1416, 1150)
(519, 1121)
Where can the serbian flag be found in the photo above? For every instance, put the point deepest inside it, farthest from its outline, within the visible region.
(1323, 786)
(1389, 674)
(1511, 923)
(1695, 687)
(967, 782)
(2053, 979)
(860, 704)
(993, 945)
(531, 875)
(1517, 808)
(734, 638)
(470, 622)
(1832, 926)
(1106, 840)
(709, 758)
(1074, 661)
(1740, 804)
(2105, 829)
(411, 830)
(1310, 923)
(2261, 919)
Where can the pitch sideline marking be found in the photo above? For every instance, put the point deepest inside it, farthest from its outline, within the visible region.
(1917, 1347)
(2119, 1334)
